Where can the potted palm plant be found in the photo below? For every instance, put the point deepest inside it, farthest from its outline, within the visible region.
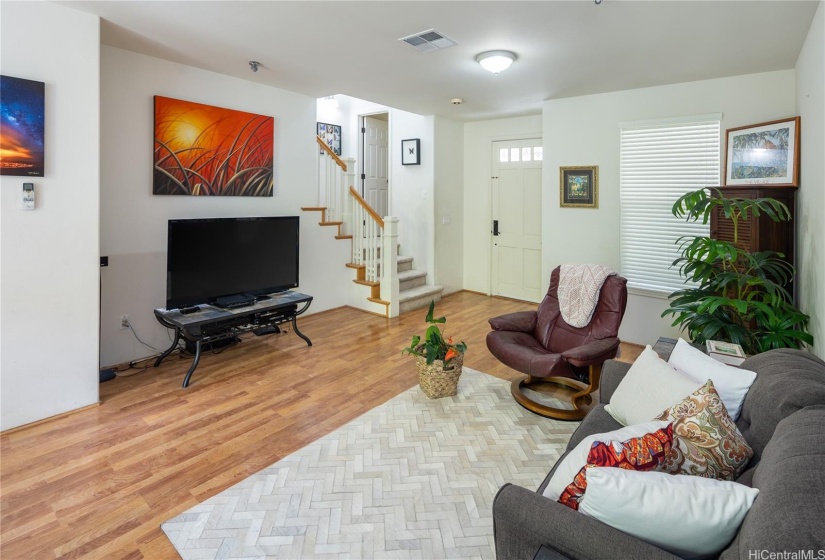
(737, 295)
(439, 360)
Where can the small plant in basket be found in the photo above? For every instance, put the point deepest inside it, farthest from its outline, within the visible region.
(439, 360)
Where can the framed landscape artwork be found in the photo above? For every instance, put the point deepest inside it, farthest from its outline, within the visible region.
(331, 134)
(22, 120)
(201, 150)
(579, 186)
(765, 153)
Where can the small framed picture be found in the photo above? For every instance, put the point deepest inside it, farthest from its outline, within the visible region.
(579, 186)
(331, 134)
(763, 154)
(411, 152)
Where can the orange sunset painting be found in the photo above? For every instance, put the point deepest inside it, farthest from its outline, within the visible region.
(202, 150)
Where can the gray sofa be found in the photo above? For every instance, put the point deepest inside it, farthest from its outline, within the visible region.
(783, 419)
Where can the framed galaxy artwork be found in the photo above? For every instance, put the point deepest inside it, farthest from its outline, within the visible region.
(22, 114)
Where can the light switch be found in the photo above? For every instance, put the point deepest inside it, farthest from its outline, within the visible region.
(28, 196)
(445, 219)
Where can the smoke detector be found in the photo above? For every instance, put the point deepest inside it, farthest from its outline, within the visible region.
(456, 101)
(429, 40)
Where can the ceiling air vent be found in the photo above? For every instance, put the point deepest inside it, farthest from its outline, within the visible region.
(429, 40)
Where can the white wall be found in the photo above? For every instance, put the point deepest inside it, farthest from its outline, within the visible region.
(449, 204)
(412, 189)
(134, 222)
(584, 131)
(478, 146)
(49, 298)
(810, 224)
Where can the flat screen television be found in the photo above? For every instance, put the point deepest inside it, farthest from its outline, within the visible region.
(217, 257)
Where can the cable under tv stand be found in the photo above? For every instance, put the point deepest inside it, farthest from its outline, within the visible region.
(212, 323)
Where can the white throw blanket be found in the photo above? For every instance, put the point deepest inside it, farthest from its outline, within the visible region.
(579, 287)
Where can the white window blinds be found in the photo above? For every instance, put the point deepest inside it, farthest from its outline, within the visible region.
(661, 161)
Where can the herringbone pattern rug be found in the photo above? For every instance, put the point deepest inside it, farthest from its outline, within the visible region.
(412, 478)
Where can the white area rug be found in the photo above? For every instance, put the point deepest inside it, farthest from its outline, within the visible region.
(412, 478)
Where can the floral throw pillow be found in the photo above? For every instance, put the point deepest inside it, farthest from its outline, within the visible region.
(706, 441)
(643, 453)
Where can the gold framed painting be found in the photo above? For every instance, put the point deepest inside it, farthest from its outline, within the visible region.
(579, 186)
(763, 154)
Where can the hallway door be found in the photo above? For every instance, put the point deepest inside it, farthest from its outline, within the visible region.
(375, 172)
(516, 249)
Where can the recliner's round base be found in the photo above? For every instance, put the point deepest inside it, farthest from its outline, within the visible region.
(582, 400)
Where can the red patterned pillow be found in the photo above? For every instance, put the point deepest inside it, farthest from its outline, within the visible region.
(644, 453)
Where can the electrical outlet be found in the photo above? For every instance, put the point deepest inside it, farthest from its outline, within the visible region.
(124, 321)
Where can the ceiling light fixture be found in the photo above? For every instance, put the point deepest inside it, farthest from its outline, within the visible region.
(253, 64)
(496, 61)
(331, 102)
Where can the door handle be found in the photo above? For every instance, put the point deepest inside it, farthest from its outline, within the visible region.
(495, 227)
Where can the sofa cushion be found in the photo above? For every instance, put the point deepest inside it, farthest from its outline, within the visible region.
(732, 383)
(787, 381)
(643, 453)
(706, 442)
(690, 516)
(650, 386)
(572, 462)
(787, 516)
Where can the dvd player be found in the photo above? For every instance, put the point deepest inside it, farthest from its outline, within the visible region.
(232, 302)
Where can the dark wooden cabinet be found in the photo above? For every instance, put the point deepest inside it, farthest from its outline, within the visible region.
(761, 233)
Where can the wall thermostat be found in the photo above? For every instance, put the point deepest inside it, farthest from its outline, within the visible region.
(28, 196)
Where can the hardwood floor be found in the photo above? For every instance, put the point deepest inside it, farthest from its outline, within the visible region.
(98, 483)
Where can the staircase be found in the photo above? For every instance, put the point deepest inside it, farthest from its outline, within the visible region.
(385, 282)
(413, 290)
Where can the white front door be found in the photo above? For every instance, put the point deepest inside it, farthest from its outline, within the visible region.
(516, 250)
(376, 163)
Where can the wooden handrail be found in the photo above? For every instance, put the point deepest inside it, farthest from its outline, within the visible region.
(367, 207)
(329, 151)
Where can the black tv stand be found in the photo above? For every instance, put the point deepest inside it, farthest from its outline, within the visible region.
(215, 324)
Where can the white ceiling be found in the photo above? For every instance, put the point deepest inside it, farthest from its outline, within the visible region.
(565, 48)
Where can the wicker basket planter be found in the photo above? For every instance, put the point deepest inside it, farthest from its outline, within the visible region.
(437, 381)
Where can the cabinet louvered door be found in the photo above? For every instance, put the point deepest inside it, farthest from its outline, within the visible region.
(722, 229)
(761, 233)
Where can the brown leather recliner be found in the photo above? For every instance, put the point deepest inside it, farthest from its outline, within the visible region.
(541, 345)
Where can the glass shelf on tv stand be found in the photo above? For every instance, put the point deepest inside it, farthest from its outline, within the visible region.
(211, 323)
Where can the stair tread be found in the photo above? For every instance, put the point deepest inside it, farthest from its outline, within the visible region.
(313, 208)
(343, 237)
(367, 283)
(330, 223)
(404, 259)
(411, 274)
(417, 292)
(377, 300)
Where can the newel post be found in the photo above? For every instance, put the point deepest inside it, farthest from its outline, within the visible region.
(389, 265)
(346, 210)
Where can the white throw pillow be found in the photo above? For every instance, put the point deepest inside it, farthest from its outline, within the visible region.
(690, 516)
(648, 388)
(577, 458)
(731, 383)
